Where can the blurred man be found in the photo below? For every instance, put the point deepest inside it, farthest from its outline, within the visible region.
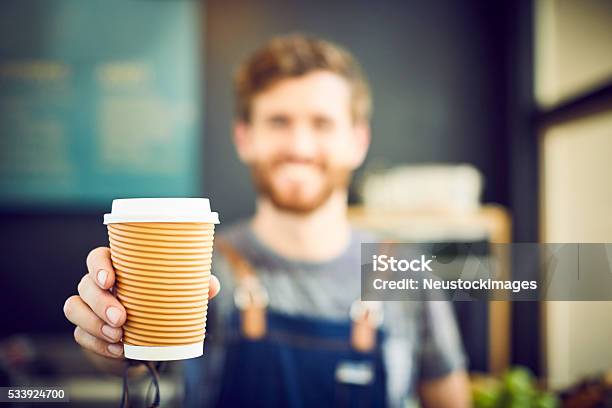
(290, 329)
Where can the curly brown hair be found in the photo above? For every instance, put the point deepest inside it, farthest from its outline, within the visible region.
(293, 56)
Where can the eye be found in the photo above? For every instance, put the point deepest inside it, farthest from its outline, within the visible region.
(323, 124)
(278, 121)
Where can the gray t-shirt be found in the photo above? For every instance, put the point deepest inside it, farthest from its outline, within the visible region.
(422, 340)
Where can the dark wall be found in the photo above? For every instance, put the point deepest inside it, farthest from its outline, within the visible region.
(437, 70)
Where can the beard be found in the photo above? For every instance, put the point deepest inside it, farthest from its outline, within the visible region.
(293, 198)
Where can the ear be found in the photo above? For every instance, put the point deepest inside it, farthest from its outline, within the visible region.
(361, 137)
(242, 141)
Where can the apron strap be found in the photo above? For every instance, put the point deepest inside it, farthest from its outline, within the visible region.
(250, 296)
(367, 318)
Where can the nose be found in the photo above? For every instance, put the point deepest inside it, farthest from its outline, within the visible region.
(302, 141)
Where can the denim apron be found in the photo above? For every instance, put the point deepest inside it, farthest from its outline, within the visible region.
(297, 362)
(301, 362)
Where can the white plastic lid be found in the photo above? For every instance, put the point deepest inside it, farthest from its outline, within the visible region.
(161, 210)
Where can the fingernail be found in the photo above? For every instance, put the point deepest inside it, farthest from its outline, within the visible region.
(116, 349)
(111, 332)
(102, 274)
(113, 314)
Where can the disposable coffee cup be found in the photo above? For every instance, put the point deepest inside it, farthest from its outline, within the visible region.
(161, 249)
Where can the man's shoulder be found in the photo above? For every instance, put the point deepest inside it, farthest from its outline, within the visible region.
(235, 233)
(240, 239)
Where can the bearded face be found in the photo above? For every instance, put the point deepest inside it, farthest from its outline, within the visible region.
(298, 185)
(302, 143)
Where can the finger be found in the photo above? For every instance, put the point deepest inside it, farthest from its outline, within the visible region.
(215, 287)
(100, 267)
(81, 315)
(92, 343)
(102, 302)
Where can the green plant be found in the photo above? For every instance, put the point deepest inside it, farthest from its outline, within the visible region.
(516, 389)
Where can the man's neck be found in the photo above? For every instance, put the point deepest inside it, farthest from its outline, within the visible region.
(318, 236)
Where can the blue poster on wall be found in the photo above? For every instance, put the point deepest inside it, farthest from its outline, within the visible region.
(99, 100)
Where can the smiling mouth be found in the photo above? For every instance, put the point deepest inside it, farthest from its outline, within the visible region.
(297, 165)
(296, 162)
(297, 169)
